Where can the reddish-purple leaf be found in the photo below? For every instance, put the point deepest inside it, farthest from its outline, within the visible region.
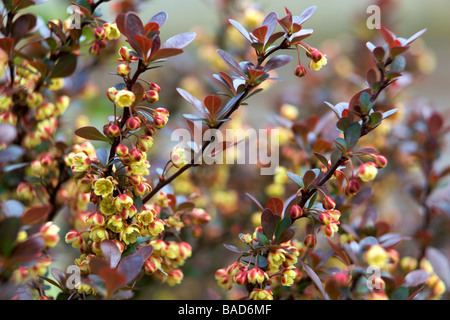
(212, 103)
(165, 53)
(192, 100)
(300, 35)
(96, 264)
(27, 250)
(113, 280)
(7, 44)
(256, 202)
(22, 25)
(231, 62)
(241, 29)
(275, 205)
(270, 21)
(180, 40)
(387, 35)
(130, 266)
(35, 214)
(268, 223)
(286, 235)
(145, 252)
(260, 33)
(159, 18)
(111, 252)
(144, 46)
(315, 278)
(308, 178)
(277, 62)
(415, 278)
(305, 15)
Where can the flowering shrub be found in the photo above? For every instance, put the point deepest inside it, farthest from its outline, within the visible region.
(130, 227)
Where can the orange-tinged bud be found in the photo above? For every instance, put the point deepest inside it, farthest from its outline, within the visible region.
(136, 155)
(257, 275)
(174, 277)
(380, 161)
(240, 278)
(296, 212)
(367, 171)
(125, 54)
(223, 278)
(150, 130)
(133, 123)
(152, 264)
(328, 203)
(152, 96)
(144, 143)
(74, 237)
(95, 219)
(99, 33)
(155, 87)
(325, 217)
(123, 201)
(159, 122)
(112, 130)
(25, 191)
(310, 241)
(123, 70)
(300, 71)
(111, 93)
(352, 187)
(49, 232)
(122, 150)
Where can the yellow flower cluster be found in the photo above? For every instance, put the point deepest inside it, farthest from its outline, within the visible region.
(280, 268)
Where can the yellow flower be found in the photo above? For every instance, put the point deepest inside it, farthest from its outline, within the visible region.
(146, 217)
(367, 171)
(111, 30)
(49, 232)
(80, 162)
(107, 206)
(377, 256)
(103, 187)
(124, 98)
(129, 234)
(115, 224)
(261, 294)
(288, 277)
(57, 84)
(317, 65)
(174, 277)
(178, 157)
(98, 234)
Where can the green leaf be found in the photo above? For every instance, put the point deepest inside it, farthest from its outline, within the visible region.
(262, 262)
(9, 228)
(398, 65)
(341, 144)
(91, 133)
(401, 293)
(281, 226)
(312, 200)
(352, 135)
(322, 159)
(262, 239)
(64, 67)
(296, 178)
(375, 119)
(102, 156)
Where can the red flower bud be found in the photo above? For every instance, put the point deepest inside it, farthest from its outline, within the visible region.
(296, 212)
(152, 96)
(112, 130)
(122, 150)
(352, 187)
(328, 203)
(310, 241)
(160, 122)
(155, 87)
(380, 161)
(133, 123)
(300, 71)
(150, 130)
(136, 155)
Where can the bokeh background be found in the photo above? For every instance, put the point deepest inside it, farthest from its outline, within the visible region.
(339, 30)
